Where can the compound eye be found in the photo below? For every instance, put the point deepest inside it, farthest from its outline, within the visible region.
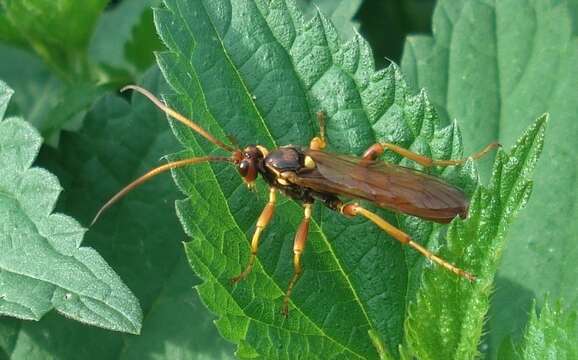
(244, 168)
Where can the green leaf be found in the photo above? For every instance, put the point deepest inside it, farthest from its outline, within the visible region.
(75, 100)
(257, 71)
(58, 31)
(42, 266)
(8, 33)
(36, 89)
(552, 335)
(45, 101)
(496, 75)
(140, 237)
(446, 320)
(124, 37)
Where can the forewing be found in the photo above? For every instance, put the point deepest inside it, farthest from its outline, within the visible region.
(390, 186)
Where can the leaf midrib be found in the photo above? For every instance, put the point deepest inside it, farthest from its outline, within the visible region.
(321, 332)
(497, 227)
(228, 58)
(263, 123)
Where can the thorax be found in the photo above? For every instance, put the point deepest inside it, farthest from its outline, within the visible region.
(292, 159)
(285, 159)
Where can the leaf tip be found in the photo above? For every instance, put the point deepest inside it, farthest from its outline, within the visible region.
(136, 330)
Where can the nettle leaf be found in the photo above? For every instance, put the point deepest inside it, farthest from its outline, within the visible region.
(552, 335)
(258, 71)
(497, 75)
(42, 266)
(140, 238)
(120, 39)
(144, 42)
(446, 320)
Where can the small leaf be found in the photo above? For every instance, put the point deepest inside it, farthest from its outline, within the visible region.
(42, 265)
(124, 36)
(552, 335)
(446, 320)
(144, 42)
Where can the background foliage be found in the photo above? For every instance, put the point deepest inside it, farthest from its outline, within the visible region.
(498, 76)
(65, 70)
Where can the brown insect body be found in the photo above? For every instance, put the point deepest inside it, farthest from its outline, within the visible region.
(310, 174)
(290, 159)
(392, 187)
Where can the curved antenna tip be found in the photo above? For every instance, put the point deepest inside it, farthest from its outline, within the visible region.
(103, 209)
(95, 219)
(130, 87)
(152, 173)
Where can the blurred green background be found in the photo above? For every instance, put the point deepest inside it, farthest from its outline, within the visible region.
(66, 69)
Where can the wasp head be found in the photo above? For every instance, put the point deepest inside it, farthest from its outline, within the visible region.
(248, 162)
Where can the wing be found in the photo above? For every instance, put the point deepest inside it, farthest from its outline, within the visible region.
(390, 186)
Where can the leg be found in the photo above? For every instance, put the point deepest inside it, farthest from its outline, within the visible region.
(298, 247)
(264, 219)
(376, 150)
(318, 142)
(354, 209)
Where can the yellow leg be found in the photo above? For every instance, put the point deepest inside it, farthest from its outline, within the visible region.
(376, 150)
(318, 142)
(298, 247)
(264, 219)
(354, 210)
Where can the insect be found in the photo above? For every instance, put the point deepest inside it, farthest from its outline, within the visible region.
(310, 174)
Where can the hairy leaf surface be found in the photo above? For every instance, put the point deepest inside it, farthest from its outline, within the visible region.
(42, 266)
(446, 321)
(496, 66)
(551, 335)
